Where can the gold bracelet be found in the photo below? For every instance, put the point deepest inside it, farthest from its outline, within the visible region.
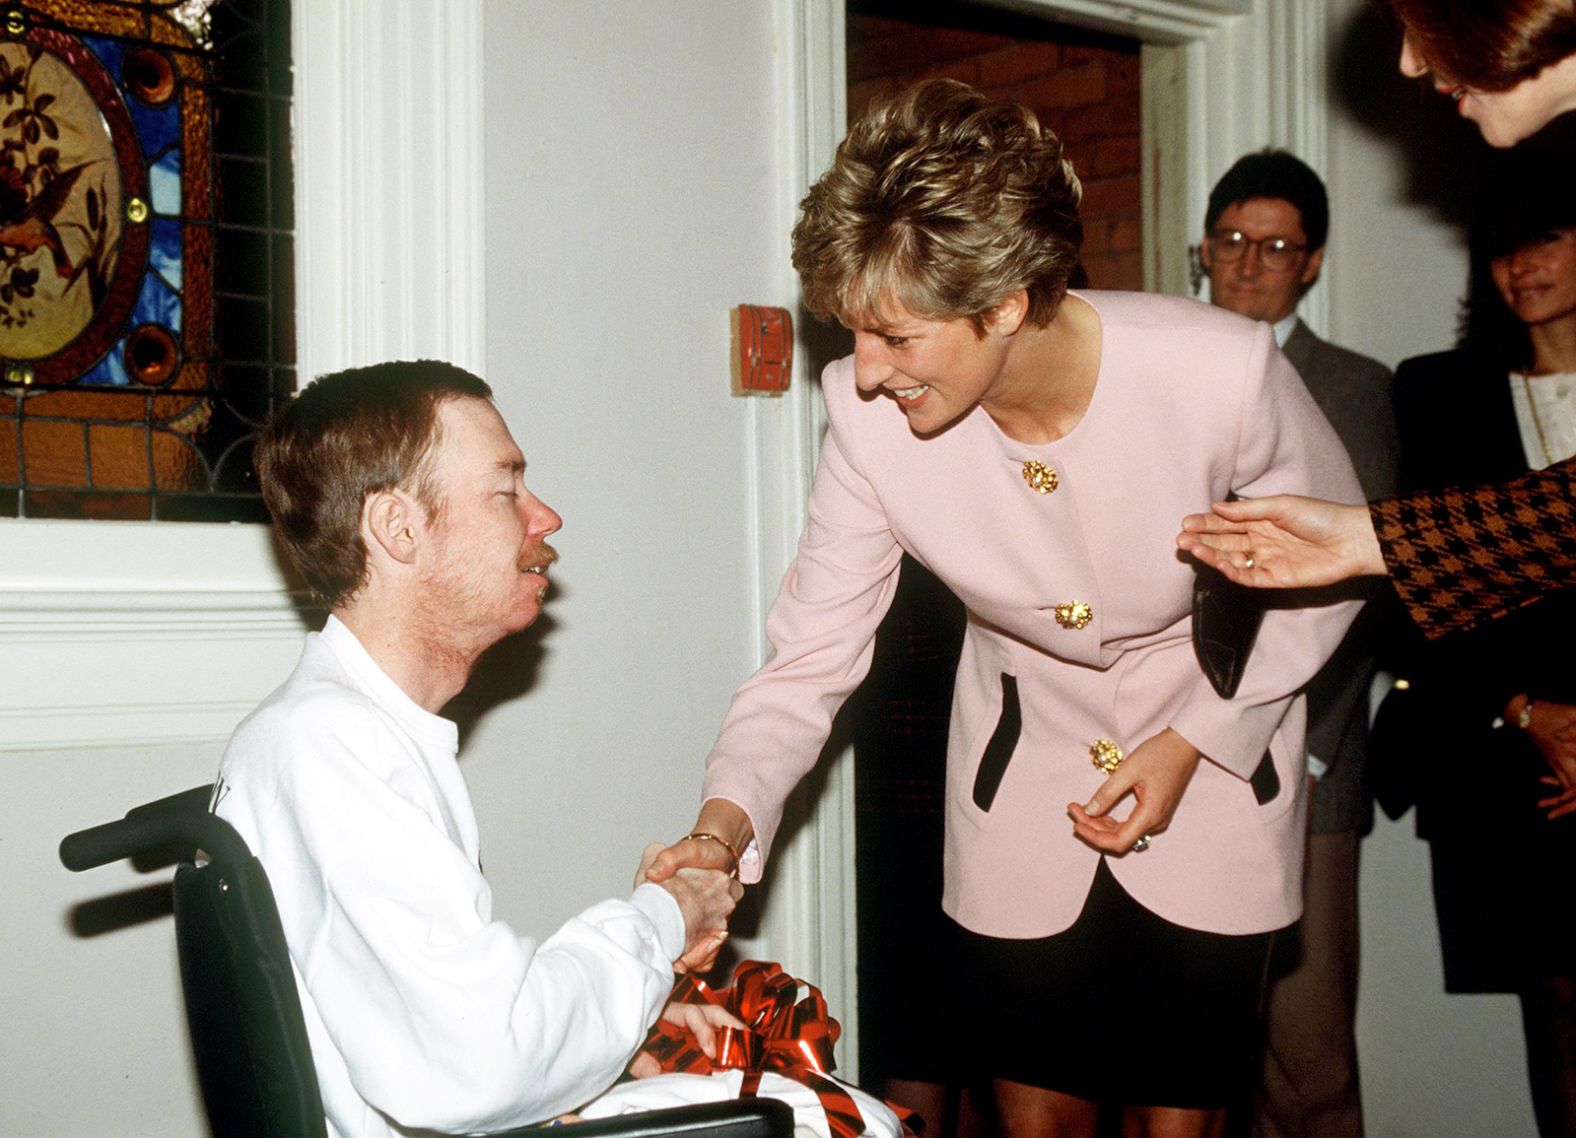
(701, 836)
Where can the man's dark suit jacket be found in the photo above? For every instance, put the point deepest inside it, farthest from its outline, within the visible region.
(1353, 391)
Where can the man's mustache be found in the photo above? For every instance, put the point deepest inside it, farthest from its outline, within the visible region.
(540, 558)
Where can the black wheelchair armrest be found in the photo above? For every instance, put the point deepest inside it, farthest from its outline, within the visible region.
(734, 1118)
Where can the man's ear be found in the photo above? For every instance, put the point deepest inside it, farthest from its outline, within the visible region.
(394, 522)
(1310, 273)
(1205, 258)
(1009, 313)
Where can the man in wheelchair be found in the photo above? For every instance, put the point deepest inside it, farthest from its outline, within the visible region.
(398, 494)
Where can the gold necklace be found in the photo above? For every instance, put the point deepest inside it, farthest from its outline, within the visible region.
(1537, 420)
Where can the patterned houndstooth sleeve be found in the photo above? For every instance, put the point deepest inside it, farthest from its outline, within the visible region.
(1462, 557)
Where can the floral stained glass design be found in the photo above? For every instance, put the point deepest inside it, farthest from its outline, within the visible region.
(146, 325)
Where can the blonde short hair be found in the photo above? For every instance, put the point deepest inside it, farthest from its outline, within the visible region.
(943, 201)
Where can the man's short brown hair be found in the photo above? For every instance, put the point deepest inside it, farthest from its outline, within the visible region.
(350, 434)
(945, 201)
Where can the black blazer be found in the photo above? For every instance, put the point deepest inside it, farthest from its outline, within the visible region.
(1456, 423)
(1457, 427)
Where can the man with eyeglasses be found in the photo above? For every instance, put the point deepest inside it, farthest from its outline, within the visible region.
(1264, 237)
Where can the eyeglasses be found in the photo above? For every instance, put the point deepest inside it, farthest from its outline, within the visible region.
(1276, 254)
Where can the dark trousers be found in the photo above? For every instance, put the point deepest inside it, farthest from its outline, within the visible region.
(1310, 1086)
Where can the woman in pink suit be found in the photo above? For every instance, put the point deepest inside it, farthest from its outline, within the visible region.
(1121, 841)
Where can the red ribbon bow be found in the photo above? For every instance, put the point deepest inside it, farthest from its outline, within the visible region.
(785, 1033)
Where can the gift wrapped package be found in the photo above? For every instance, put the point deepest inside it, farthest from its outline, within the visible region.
(784, 1052)
(809, 1112)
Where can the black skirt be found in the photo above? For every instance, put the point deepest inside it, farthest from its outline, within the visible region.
(1502, 873)
(1122, 1008)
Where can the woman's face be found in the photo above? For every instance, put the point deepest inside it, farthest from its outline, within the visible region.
(1503, 117)
(935, 370)
(1538, 280)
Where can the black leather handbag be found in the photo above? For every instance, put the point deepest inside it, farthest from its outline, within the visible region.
(1226, 619)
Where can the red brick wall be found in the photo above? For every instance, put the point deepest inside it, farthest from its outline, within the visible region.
(1085, 87)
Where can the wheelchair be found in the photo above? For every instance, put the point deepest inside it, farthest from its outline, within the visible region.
(254, 1061)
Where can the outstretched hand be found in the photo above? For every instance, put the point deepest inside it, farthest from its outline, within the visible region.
(687, 853)
(721, 833)
(1155, 774)
(1284, 541)
(706, 898)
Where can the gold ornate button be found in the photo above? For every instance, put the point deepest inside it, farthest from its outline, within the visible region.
(1106, 755)
(1073, 614)
(1041, 478)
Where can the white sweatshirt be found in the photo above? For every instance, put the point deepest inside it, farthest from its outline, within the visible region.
(424, 1013)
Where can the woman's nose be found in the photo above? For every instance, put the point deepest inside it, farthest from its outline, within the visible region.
(872, 365)
(1523, 260)
(1411, 63)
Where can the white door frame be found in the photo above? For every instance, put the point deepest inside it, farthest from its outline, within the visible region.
(1220, 78)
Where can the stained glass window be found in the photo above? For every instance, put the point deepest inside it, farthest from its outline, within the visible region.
(146, 300)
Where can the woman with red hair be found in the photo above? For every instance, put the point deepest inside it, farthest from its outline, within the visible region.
(1510, 65)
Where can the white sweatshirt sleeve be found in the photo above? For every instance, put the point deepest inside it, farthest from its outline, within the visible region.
(444, 1018)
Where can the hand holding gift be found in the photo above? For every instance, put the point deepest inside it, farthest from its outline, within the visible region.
(781, 1048)
(703, 1021)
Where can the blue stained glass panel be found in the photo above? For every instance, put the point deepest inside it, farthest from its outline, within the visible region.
(142, 85)
(109, 371)
(159, 128)
(157, 304)
(165, 251)
(109, 53)
(164, 184)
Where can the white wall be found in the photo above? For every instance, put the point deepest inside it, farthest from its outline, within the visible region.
(1398, 158)
(635, 165)
(93, 1038)
(631, 194)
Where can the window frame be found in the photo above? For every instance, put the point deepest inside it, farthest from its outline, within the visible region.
(132, 633)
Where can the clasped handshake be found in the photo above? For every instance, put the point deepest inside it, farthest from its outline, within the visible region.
(705, 884)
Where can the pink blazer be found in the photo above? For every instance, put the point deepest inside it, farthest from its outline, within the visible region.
(1191, 402)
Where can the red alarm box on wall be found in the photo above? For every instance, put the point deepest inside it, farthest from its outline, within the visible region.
(762, 349)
